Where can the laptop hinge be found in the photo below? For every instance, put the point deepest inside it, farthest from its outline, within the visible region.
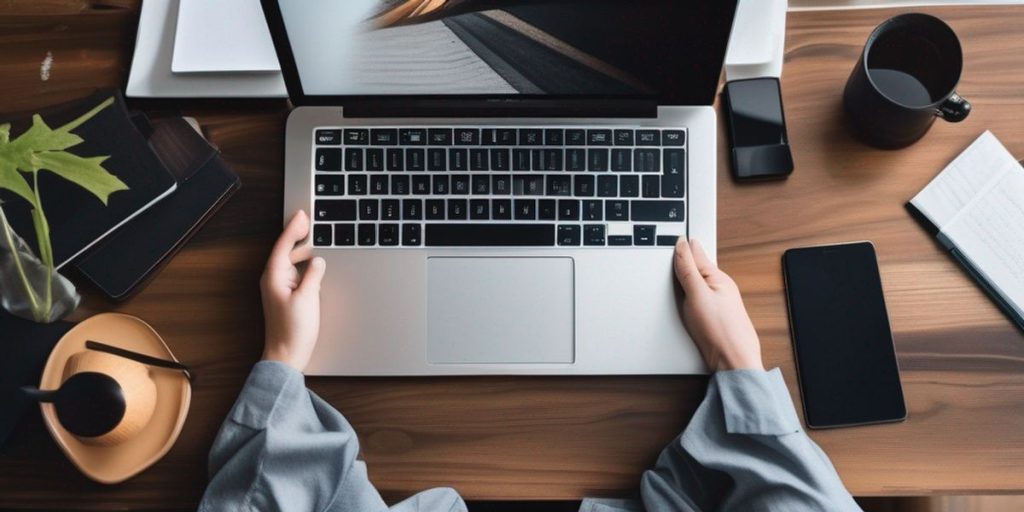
(462, 107)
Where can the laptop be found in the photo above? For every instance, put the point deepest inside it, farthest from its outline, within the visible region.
(497, 185)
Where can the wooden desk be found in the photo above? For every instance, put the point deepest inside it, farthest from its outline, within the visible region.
(555, 438)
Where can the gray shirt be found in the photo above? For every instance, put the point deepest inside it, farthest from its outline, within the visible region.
(282, 448)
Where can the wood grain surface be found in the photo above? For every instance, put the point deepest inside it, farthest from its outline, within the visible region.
(559, 438)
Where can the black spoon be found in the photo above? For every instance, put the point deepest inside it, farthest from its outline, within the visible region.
(89, 404)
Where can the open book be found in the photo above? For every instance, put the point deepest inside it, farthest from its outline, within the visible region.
(976, 208)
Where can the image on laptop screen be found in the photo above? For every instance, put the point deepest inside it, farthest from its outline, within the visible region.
(502, 47)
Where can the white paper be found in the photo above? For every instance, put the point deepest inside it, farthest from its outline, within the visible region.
(222, 35)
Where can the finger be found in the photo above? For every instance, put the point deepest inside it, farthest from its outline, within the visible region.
(705, 266)
(314, 275)
(300, 254)
(686, 268)
(295, 231)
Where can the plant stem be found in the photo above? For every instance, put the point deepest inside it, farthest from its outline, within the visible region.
(86, 116)
(17, 262)
(45, 248)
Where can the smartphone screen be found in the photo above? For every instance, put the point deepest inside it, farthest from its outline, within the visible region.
(845, 356)
(757, 129)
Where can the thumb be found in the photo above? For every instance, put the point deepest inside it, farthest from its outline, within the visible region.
(686, 268)
(313, 276)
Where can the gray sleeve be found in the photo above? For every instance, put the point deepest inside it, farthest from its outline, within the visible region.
(282, 448)
(744, 450)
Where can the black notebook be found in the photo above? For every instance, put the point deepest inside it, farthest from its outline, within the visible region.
(77, 218)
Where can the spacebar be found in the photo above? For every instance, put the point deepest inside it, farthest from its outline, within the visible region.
(489, 235)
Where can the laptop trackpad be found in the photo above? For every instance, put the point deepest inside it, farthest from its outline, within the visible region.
(500, 310)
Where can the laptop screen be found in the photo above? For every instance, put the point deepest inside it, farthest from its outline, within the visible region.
(667, 50)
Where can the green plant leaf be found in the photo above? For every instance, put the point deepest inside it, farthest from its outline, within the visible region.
(87, 173)
(11, 180)
(5, 133)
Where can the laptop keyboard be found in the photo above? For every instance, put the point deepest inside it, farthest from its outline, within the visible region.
(498, 187)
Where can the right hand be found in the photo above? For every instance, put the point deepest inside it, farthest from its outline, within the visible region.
(713, 311)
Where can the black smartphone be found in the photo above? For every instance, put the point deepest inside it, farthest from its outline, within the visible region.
(846, 360)
(757, 129)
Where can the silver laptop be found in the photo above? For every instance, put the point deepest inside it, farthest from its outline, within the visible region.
(497, 185)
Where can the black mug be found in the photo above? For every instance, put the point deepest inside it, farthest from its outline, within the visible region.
(905, 78)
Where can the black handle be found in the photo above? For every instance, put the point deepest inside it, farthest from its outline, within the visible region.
(38, 394)
(955, 108)
(141, 358)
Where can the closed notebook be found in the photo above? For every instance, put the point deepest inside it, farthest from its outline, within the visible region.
(975, 208)
(76, 217)
(124, 262)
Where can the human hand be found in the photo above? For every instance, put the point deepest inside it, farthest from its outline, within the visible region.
(713, 311)
(291, 299)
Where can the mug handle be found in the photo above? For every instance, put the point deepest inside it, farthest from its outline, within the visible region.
(955, 108)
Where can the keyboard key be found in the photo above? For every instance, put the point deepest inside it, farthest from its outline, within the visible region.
(367, 234)
(412, 136)
(395, 160)
(568, 209)
(411, 234)
(357, 136)
(520, 159)
(344, 234)
(646, 160)
(412, 209)
(648, 138)
(481, 184)
(657, 211)
(440, 136)
(368, 209)
(667, 240)
(467, 137)
(559, 185)
(530, 137)
(479, 209)
(353, 159)
(501, 185)
(575, 137)
(552, 160)
(489, 235)
(435, 209)
(672, 185)
(620, 240)
(328, 137)
(583, 185)
(547, 209)
(415, 159)
(607, 186)
(593, 210)
(400, 185)
(568, 235)
(374, 159)
(436, 160)
(328, 159)
(322, 235)
(622, 160)
(330, 184)
(389, 234)
(457, 209)
(378, 184)
(616, 210)
(593, 234)
(629, 186)
(673, 182)
(498, 137)
(623, 137)
(460, 184)
(421, 185)
(673, 138)
(458, 159)
(501, 209)
(384, 137)
(576, 159)
(525, 209)
(643, 234)
(357, 185)
(651, 186)
(441, 185)
(500, 160)
(478, 160)
(390, 209)
(597, 160)
(599, 137)
(553, 136)
(527, 185)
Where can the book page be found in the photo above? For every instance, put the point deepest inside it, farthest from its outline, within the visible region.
(967, 177)
(990, 234)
